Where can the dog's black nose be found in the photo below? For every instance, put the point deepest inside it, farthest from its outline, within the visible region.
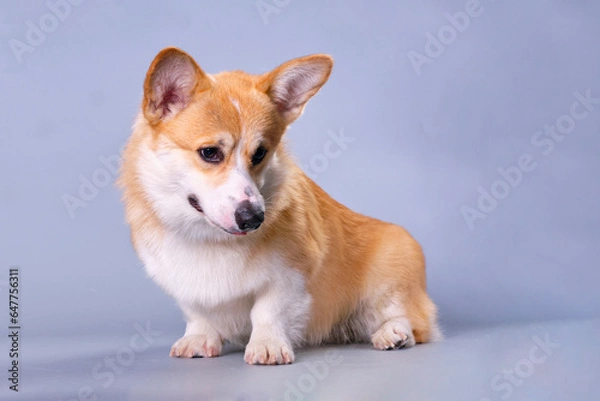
(248, 217)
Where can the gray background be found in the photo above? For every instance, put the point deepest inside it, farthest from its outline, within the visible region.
(424, 143)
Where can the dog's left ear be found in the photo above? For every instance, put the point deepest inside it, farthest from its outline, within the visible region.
(293, 83)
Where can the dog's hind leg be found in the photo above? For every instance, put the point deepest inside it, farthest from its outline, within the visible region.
(402, 324)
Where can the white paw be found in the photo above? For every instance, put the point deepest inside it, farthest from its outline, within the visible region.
(393, 335)
(196, 345)
(268, 352)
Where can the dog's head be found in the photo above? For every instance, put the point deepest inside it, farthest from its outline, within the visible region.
(214, 139)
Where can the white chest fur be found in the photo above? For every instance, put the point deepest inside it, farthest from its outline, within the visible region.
(222, 283)
(199, 275)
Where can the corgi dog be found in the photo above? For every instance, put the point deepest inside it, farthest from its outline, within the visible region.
(251, 249)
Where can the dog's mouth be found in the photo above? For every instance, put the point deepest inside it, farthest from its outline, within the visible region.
(194, 202)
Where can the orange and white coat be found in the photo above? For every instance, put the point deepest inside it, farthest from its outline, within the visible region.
(306, 269)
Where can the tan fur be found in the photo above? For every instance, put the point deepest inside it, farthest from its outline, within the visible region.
(353, 265)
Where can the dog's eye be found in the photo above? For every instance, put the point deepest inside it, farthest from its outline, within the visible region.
(259, 155)
(211, 155)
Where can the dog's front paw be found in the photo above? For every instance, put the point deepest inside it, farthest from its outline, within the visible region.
(268, 352)
(393, 335)
(196, 345)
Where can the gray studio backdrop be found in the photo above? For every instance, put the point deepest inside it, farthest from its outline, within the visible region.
(475, 125)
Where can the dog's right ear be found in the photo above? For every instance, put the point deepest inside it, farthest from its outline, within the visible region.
(171, 81)
(293, 83)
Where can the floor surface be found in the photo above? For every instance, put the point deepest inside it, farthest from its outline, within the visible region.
(537, 361)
